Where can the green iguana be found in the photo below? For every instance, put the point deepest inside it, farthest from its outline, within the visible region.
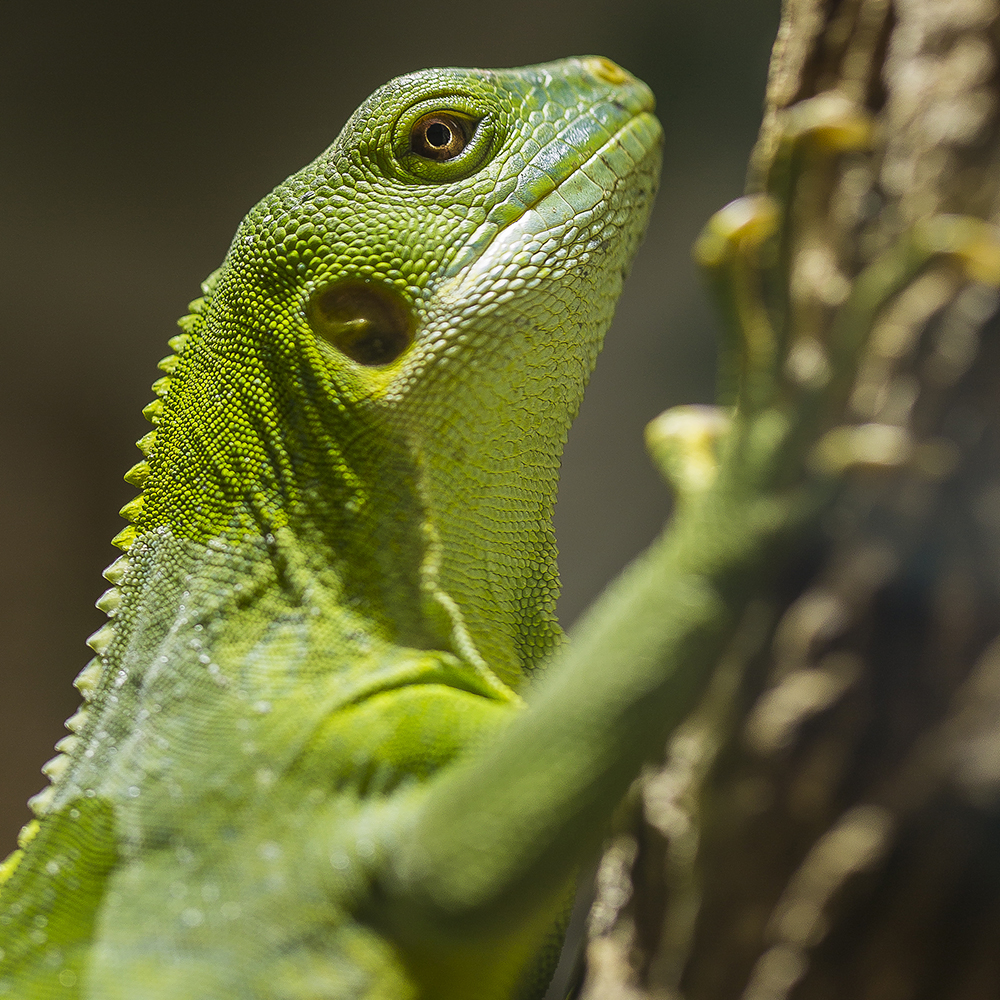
(307, 766)
(341, 568)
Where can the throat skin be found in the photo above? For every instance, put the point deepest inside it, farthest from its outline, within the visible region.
(433, 522)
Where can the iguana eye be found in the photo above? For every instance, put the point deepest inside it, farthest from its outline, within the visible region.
(367, 321)
(444, 138)
(440, 135)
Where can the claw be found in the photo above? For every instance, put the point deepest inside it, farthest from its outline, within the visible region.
(875, 446)
(684, 443)
(882, 447)
(971, 242)
(729, 250)
(821, 128)
(831, 122)
(743, 224)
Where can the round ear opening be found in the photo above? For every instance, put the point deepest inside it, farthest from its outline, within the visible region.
(369, 322)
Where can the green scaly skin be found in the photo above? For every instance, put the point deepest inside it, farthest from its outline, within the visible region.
(340, 572)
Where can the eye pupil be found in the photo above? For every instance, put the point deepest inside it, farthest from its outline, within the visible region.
(440, 135)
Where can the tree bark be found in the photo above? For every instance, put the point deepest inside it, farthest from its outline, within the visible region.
(827, 825)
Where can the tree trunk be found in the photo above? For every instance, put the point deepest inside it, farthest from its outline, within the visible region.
(828, 824)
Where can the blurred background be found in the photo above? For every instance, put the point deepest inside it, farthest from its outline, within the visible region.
(133, 138)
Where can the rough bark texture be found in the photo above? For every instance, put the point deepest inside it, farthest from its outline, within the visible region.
(828, 825)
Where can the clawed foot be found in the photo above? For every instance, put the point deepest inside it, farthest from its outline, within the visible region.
(798, 318)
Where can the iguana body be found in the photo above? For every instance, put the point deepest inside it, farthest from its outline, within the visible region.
(341, 569)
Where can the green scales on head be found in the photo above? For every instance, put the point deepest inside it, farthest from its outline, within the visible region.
(341, 566)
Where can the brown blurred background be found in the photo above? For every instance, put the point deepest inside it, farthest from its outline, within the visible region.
(133, 139)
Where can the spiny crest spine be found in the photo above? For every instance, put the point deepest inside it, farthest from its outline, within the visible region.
(89, 678)
(138, 475)
(25, 837)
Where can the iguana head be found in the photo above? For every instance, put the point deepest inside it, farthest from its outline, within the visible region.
(392, 353)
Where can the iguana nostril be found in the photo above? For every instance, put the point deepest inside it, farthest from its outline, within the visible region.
(606, 70)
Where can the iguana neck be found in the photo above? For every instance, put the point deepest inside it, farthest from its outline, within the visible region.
(346, 495)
